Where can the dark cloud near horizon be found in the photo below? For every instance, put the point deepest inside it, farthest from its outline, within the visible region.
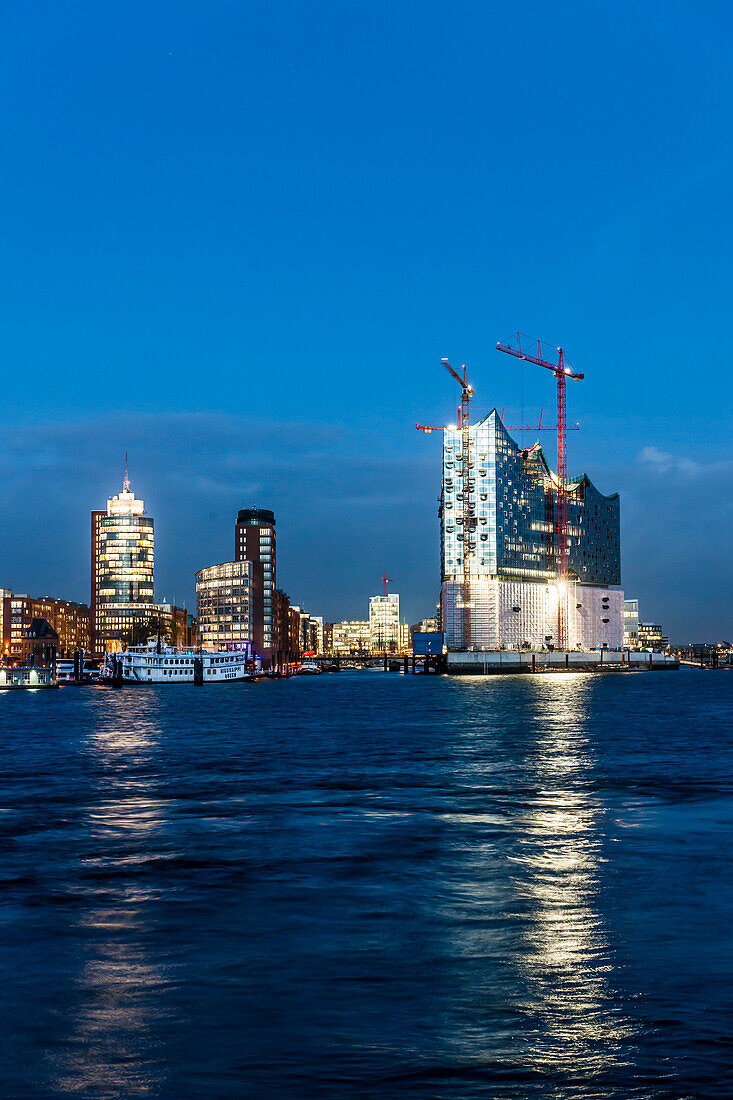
(348, 503)
(347, 507)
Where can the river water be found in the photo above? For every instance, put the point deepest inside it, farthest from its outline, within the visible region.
(369, 885)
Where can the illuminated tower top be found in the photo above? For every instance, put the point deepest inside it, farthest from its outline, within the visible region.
(125, 503)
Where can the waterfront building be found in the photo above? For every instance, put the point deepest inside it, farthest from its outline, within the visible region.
(224, 606)
(282, 653)
(71, 622)
(255, 541)
(295, 640)
(305, 632)
(349, 638)
(40, 644)
(122, 571)
(631, 624)
(514, 593)
(651, 636)
(239, 602)
(384, 623)
(316, 627)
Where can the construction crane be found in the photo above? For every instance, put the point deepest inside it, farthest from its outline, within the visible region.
(468, 518)
(385, 581)
(562, 371)
(538, 427)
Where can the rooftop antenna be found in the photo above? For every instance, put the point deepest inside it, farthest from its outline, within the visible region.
(126, 482)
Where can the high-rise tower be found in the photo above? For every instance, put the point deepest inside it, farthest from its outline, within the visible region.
(514, 587)
(384, 623)
(122, 570)
(254, 541)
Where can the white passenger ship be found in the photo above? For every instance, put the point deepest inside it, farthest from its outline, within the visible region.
(164, 664)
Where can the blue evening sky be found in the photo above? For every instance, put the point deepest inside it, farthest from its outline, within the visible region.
(238, 237)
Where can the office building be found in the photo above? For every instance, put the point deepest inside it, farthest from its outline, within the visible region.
(349, 638)
(305, 632)
(224, 606)
(282, 653)
(651, 636)
(317, 632)
(386, 633)
(240, 604)
(122, 571)
(514, 592)
(384, 623)
(70, 621)
(631, 624)
(40, 644)
(255, 541)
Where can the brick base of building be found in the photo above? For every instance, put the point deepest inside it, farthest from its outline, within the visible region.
(512, 613)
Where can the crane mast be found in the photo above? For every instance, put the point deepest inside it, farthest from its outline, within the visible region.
(466, 482)
(562, 370)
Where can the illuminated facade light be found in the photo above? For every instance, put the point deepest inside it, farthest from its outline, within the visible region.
(224, 606)
(123, 562)
(513, 546)
(384, 624)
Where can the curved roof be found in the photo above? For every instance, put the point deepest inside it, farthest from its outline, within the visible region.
(573, 483)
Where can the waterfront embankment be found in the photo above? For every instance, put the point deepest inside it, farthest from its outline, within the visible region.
(599, 660)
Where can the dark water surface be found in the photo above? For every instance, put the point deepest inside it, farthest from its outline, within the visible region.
(369, 885)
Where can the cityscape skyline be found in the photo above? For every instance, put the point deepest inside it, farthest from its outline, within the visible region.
(353, 600)
(238, 245)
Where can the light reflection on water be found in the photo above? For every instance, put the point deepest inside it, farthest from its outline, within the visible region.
(361, 886)
(566, 962)
(120, 984)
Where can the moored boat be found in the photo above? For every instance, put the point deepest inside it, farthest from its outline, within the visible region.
(310, 668)
(65, 670)
(163, 664)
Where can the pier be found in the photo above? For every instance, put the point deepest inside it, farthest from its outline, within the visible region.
(18, 678)
(598, 660)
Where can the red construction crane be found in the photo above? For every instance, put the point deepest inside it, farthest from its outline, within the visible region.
(562, 370)
(469, 523)
(466, 486)
(538, 427)
(385, 581)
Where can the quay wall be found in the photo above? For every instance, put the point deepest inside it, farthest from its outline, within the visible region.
(501, 661)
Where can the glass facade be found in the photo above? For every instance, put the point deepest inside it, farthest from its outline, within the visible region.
(651, 636)
(224, 603)
(255, 541)
(513, 492)
(384, 623)
(123, 566)
(349, 637)
(631, 624)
